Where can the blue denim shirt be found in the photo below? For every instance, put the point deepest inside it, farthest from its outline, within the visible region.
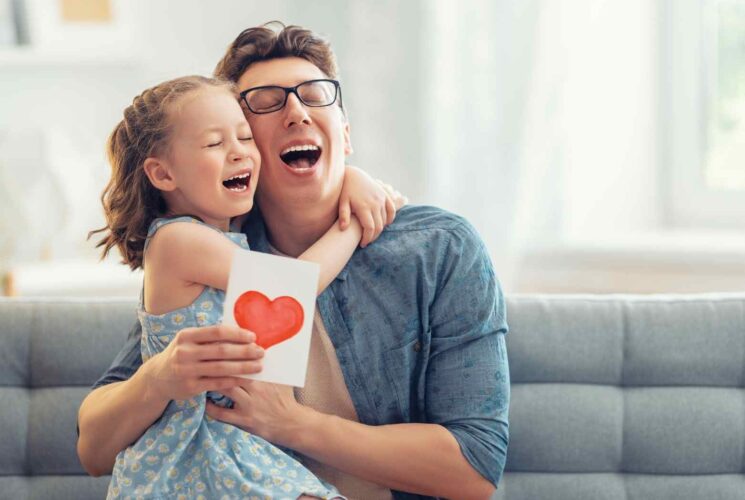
(418, 323)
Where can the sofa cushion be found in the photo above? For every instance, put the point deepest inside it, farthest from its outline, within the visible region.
(626, 397)
(51, 351)
(613, 397)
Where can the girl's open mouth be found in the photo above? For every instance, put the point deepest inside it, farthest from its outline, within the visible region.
(237, 183)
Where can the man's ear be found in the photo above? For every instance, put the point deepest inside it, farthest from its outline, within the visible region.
(347, 140)
(159, 174)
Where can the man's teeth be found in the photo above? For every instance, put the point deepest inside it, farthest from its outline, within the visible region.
(306, 147)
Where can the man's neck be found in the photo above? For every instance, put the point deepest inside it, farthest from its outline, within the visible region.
(292, 230)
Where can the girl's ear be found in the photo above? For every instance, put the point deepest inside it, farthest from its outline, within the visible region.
(159, 174)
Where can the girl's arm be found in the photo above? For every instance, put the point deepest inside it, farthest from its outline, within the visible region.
(374, 206)
(333, 251)
(176, 246)
(372, 201)
(184, 253)
(195, 254)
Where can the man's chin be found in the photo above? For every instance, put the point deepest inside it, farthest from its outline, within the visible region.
(305, 186)
(300, 172)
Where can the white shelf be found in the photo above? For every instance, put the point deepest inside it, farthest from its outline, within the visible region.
(664, 262)
(30, 57)
(75, 278)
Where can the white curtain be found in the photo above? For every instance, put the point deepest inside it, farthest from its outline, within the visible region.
(479, 66)
(541, 120)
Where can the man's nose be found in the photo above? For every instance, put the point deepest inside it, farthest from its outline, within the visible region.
(295, 112)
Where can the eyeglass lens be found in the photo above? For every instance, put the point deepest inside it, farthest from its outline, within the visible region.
(313, 93)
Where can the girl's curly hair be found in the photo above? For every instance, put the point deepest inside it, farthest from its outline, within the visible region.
(130, 201)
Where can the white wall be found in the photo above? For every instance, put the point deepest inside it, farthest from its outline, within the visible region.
(74, 102)
(538, 120)
(612, 117)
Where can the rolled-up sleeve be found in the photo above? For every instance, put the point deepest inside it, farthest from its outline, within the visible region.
(125, 363)
(468, 386)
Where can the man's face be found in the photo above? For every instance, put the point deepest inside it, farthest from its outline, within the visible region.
(293, 171)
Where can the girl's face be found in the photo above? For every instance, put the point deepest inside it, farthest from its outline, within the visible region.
(212, 161)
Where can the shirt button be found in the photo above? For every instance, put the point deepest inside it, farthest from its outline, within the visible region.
(417, 346)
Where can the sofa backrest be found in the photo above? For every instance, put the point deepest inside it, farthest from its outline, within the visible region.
(51, 351)
(621, 397)
(613, 397)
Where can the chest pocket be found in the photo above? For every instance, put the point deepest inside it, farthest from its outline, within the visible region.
(404, 368)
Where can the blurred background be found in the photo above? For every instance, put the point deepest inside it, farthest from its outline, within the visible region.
(596, 145)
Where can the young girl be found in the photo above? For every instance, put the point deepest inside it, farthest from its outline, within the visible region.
(183, 164)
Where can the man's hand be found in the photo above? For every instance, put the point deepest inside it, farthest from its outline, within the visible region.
(203, 359)
(264, 409)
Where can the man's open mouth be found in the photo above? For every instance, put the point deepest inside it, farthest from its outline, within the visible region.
(300, 157)
(237, 183)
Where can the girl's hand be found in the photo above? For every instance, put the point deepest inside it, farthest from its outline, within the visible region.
(372, 202)
(208, 358)
(394, 196)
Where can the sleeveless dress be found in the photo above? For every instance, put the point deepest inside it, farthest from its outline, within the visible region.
(188, 455)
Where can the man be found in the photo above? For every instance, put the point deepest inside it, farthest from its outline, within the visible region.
(408, 384)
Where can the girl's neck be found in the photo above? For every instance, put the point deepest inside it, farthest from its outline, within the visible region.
(221, 224)
(176, 207)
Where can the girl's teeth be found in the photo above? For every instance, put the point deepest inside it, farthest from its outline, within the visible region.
(244, 176)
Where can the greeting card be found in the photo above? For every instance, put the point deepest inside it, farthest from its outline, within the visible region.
(275, 298)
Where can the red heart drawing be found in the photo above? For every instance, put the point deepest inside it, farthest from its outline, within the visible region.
(273, 321)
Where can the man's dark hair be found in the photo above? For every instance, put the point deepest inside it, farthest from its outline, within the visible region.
(265, 43)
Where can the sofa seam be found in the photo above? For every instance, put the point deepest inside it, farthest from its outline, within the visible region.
(742, 392)
(742, 458)
(624, 355)
(33, 325)
(630, 299)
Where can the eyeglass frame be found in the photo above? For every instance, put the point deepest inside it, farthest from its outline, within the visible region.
(293, 90)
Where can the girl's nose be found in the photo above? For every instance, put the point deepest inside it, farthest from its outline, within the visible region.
(239, 156)
(239, 151)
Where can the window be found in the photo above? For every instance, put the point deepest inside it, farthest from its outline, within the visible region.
(703, 89)
(725, 153)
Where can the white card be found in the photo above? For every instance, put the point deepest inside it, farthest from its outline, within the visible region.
(274, 296)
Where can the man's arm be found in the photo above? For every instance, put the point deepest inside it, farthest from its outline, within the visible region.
(468, 380)
(461, 452)
(114, 416)
(418, 458)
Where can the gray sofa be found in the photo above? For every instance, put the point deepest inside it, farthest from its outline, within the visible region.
(613, 397)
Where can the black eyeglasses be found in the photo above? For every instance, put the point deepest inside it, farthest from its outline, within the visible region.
(270, 98)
